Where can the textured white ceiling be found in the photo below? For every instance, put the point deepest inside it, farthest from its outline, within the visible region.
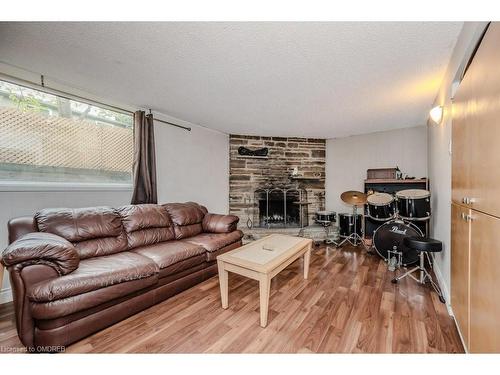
(303, 79)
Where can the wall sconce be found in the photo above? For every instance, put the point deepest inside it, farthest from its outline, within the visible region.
(436, 114)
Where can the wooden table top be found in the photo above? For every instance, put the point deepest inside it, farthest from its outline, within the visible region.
(255, 257)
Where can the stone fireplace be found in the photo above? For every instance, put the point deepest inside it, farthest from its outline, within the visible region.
(282, 189)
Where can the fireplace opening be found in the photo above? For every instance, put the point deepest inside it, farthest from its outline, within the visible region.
(279, 207)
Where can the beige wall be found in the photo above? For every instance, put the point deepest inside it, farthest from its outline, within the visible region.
(193, 166)
(347, 159)
(439, 158)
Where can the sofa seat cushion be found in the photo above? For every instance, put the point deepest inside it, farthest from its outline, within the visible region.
(104, 297)
(174, 256)
(215, 241)
(212, 256)
(93, 274)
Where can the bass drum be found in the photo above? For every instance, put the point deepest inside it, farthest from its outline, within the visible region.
(389, 237)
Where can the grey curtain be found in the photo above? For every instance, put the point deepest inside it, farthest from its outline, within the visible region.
(144, 167)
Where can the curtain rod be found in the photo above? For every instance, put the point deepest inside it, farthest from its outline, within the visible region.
(171, 123)
(69, 96)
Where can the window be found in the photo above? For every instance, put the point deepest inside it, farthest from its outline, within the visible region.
(47, 138)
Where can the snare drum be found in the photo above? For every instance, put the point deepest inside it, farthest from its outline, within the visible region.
(381, 206)
(346, 225)
(325, 217)
(414, 204)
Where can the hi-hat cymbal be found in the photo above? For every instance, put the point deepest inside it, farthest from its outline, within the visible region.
(354, 198)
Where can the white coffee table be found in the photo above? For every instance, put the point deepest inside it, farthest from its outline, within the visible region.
(255, 262)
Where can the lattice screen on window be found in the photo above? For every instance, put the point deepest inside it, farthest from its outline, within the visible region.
(36, 139)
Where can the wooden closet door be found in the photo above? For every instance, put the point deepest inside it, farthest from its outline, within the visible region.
(480, 110)
(461, 141)
(460, 241)
(484, 284)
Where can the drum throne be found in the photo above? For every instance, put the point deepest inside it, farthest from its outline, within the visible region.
(423, 246)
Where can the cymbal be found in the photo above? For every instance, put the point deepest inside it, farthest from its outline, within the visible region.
(353, 197)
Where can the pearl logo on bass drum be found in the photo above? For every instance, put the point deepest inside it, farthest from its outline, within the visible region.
(388, 242)
(396, 230)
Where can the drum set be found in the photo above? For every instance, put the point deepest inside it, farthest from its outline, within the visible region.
(397, 214)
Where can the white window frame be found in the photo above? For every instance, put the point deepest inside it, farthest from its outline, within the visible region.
(37, 186)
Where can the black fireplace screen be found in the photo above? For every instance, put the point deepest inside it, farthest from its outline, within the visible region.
(279, 207)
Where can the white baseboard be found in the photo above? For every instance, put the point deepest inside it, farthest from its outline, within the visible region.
(5, 295)
(446, 294)
(461, 336)
(443, 286)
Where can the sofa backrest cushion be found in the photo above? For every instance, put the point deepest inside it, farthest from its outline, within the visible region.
(146, 224)
(94, 231)
(214, 223)
(187, 218)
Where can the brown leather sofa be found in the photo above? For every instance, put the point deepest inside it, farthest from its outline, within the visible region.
(76, 271)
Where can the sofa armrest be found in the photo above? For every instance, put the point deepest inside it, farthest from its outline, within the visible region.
(42, 248)
(214, 223)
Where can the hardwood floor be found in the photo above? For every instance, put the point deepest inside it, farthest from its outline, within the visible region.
(348, 305)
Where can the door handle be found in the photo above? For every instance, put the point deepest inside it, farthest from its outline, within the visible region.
(468, 200)
(466, 217)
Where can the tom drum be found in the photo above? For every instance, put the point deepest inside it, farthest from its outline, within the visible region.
(414, 204)
(381, 206)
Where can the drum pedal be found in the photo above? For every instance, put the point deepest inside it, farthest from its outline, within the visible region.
(395, 259)
(392, 264)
